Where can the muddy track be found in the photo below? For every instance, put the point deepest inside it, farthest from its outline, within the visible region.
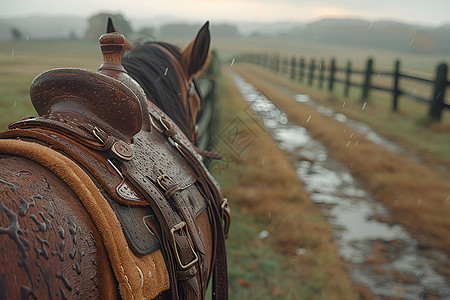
(380, 254)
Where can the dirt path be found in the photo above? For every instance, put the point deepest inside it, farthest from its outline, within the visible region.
(382, 255)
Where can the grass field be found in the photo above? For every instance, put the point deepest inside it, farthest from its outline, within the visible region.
(21, 61)
(262, 197)
(267, 195)
(393, 178)
(259, 268)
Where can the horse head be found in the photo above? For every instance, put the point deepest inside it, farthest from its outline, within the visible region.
(170, 86)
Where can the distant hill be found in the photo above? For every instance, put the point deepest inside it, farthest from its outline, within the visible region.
(381, 34)
(44, 27)
(351, 32)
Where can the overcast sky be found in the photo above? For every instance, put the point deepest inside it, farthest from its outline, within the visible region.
(424, 12)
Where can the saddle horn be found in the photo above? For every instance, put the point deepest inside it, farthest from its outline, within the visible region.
(110, 28)
(112, 45)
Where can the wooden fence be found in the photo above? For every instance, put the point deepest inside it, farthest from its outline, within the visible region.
(331, 73)
(207, 121)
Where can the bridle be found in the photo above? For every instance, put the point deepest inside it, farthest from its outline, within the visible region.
(191, 88)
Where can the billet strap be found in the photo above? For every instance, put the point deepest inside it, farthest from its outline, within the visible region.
(180, 239)
(176, 241)
(220, 209)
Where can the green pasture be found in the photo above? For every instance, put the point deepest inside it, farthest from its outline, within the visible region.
(384, 59)
(21, 61)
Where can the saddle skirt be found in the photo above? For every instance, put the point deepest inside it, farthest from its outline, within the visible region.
(141, 162)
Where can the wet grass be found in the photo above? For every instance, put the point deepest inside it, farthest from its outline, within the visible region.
(298, 259)
(418, 194)
(21, 61)
(408, 127)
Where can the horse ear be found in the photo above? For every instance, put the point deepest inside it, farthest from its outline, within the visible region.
(110, 28)
(196, 55)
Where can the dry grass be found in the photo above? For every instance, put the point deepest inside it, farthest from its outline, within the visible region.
(262, 182)
(417, 195)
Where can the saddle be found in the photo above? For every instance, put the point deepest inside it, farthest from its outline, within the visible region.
(149, 172)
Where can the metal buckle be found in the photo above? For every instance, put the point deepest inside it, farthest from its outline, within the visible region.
(180, 227)
(166, 127)
(223, 205)
(96, 133)
(165, 181)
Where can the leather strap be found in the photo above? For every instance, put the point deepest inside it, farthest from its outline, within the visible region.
(181, 242)
(221, 212)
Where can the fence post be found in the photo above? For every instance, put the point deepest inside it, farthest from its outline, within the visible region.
(332, 71)
(440, 85)
(293, 67)
(321, 73)
(368, 75)
(312, 67)
(277, 63)
(301, 73)
(285, 63)
(274, 63)
(396, 92)
(265, 60)
(348, 73)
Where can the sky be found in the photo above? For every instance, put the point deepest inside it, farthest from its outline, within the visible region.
(423, 12)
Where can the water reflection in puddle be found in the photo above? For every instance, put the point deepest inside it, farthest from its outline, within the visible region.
(351, 211)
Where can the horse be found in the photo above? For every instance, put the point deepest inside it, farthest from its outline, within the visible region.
(104, 195)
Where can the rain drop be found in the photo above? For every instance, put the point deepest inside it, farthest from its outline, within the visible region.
(364, 106)
(12, 53)
(300, 251)
(232, 62)
(309, 118)
(263, 234)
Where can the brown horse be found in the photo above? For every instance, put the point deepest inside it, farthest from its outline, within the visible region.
(104, 196)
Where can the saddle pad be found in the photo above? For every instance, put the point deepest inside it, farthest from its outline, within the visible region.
(138, 277)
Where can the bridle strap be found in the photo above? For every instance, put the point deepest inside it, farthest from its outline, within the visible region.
(190, 88)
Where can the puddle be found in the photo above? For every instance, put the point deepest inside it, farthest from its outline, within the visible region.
(383, 257)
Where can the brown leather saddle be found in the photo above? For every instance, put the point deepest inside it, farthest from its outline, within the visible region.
(147, 169)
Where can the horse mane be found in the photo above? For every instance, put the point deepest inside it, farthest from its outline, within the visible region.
(156, 73)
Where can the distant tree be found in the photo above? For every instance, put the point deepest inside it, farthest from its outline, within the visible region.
(98, 22)
(73, 35)
(178, 29)
(146, 32)
(422, 43)
(16, 34)
(224, 30)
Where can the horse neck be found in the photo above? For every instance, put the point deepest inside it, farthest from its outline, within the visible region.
(160, 74)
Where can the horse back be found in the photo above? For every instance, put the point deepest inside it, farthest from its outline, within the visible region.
(47, 238)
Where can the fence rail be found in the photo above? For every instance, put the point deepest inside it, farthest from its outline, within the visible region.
(299, 69)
